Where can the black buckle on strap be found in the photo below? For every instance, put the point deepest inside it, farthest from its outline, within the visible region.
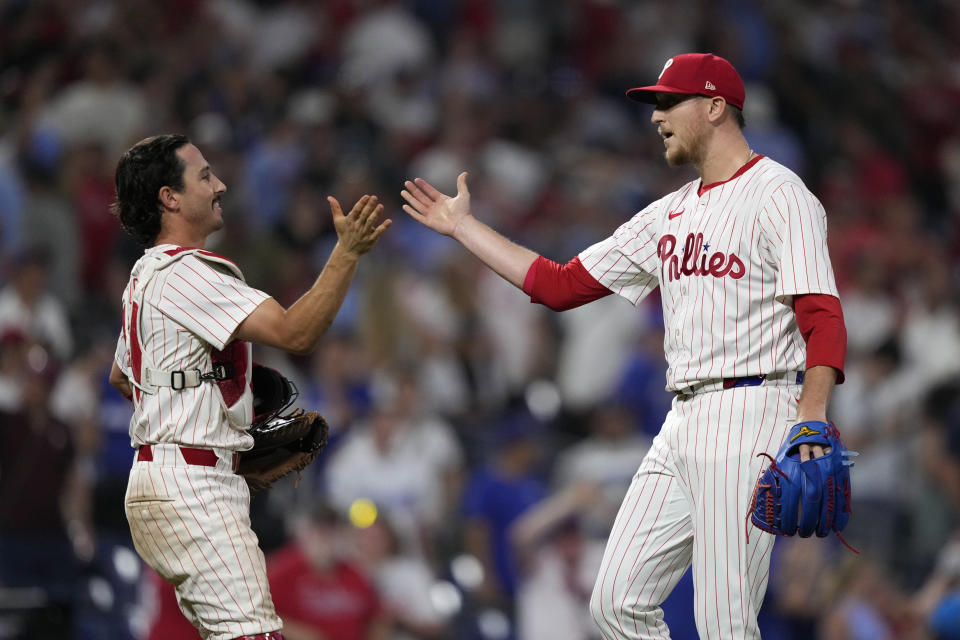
(221, 371)
(178, 380)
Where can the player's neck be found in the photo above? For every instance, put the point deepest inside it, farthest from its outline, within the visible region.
(724, 158)
(181, 240)
(177, 231)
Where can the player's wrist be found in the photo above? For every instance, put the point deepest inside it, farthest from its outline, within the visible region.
(461, 227)
(346, 251)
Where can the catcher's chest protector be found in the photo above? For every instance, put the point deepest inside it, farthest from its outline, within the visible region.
(230, 369)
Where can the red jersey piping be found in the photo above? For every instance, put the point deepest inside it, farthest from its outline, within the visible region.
(706, 187)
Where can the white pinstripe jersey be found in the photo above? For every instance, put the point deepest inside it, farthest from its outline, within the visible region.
(189, 309)
(728, 263)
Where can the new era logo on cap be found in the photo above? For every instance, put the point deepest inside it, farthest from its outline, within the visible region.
(695, 74)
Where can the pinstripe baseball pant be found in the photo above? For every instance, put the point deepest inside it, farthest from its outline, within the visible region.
(191, 524)
(688, 505)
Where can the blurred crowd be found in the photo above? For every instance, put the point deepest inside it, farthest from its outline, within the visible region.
(481, 444)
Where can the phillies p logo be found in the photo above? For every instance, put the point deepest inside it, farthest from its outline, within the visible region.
(666, 65)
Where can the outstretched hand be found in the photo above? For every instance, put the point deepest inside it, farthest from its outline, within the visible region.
(436, 210)
(359, 231)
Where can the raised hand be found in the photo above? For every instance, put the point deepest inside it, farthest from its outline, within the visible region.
(359, 231)
(436, 210)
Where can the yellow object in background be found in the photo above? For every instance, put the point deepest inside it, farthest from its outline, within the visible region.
(363, 513)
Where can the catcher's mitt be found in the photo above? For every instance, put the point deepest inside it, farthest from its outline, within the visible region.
(282, 444)
(794, 497)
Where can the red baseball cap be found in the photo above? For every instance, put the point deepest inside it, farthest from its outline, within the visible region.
(701, 74)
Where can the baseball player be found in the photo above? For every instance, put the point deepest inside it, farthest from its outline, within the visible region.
(184, 358)
(754, 342)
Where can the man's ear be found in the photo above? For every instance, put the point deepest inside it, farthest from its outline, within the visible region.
(717, 107)
(169, 198)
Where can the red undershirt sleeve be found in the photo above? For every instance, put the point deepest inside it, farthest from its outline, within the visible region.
(561, 287)
(820, 320)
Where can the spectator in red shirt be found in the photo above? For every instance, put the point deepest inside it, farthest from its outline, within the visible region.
(160, 604)
(317, 590)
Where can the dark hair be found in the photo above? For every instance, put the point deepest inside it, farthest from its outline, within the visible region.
(142, 170)
(737, 115)
(323, 514)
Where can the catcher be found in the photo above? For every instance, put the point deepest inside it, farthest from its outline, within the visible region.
(184, 359)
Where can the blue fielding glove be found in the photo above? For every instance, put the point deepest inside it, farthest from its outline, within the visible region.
(793, 497)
